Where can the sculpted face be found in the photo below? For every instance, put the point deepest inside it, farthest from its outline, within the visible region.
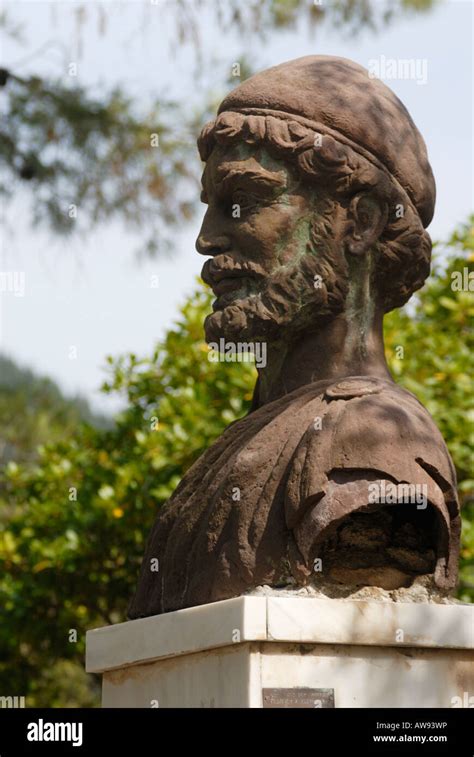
(269, 251)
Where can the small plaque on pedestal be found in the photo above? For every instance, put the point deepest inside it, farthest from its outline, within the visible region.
(298, 698)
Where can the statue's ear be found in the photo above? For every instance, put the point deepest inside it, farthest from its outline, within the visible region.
(366, 219)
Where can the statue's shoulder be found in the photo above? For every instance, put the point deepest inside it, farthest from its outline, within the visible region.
(367, 423)
(373, 437)
(384, 412)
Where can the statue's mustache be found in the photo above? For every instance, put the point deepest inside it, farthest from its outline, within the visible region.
(228, 266)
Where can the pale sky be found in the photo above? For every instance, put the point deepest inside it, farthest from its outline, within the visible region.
(93, 294)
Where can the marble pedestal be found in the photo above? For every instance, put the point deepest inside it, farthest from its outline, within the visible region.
(256, 651)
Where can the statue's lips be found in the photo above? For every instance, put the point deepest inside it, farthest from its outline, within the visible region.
(228, 282)
(226, 278)
(230, 279)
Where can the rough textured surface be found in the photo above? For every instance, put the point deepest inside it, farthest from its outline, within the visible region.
(422, 590)
(291, 499)
(318, 190)
(336, 95)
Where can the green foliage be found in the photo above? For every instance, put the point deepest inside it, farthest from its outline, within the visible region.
(436, 359)
(436, 364)
(71, 562)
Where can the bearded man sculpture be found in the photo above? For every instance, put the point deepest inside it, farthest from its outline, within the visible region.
(342, 477)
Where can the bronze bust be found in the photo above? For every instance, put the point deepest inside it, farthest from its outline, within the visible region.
(319, 191)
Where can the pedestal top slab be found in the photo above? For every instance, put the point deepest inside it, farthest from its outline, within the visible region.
(285, 619)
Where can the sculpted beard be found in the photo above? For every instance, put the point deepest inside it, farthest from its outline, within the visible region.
(295, 298)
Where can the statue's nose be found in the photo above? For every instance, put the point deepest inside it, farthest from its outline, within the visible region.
(208, 244)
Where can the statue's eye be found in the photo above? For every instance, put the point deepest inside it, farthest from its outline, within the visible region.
(243, 199)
